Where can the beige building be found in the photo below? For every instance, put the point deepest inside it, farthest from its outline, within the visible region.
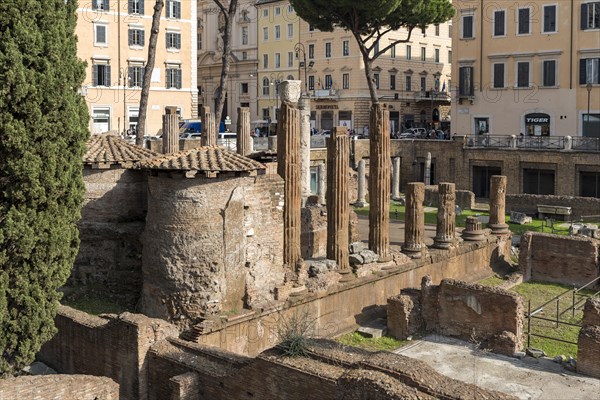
(412, 77)
(241, 84)
(113, 40)
(527, 68)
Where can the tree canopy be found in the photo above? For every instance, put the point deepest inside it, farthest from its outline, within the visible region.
(370, 21)
(43, 129)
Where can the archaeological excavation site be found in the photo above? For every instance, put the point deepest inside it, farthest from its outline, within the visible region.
(237, 278)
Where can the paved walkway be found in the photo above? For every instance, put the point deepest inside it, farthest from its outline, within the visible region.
(528, 378)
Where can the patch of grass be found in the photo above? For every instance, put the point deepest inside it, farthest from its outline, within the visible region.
(94, 305)
(539, 293)
(492, 281)
(385, 343)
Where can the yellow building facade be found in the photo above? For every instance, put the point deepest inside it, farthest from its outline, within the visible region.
(113, 37)
(412, 78)
(526, 68)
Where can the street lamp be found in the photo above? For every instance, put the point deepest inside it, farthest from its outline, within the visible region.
(588, 87)
(299, 49)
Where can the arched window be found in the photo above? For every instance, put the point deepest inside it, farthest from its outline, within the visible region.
(265, 86)
(290, 77)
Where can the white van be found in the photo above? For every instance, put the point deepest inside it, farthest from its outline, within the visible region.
(227, 140)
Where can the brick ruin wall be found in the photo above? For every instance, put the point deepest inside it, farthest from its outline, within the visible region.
(453, 163)
(468, 311)
(527, 203)
(158, 366)
(113, 346)
(112, 219)
(211, 245)
(59, 387)
(588, 344)
(571, 260)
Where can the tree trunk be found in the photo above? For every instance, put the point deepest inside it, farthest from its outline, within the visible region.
(141, 128)
(225, 60)
(368, 69)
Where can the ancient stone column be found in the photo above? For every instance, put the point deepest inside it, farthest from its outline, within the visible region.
(473, 231)
(396, 178)
(361, 195)
(414, 228)
(445, 236)
(209, 129)
(427, 173)
(338, 207)
(170, 135)
(288, 158)
(304, 106)
(243, 139)
(497, 221)
(321, 191)
(379, 181)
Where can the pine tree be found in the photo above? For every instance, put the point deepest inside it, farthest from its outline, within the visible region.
(43, 128)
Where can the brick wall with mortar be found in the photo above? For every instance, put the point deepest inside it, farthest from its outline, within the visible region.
(112, 346)
(527, 203)
(211, 244)
(59, 387)
(571, 260)
(454, 163)
(331, 372)
(314, 231)
(588, 344)
(456, 308)
(112, 219)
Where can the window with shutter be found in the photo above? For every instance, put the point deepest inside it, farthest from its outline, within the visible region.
(100, 37)
(499, 75)
(523, 74)
(549, 72)
(467, 26)
(466, 86)
(102, 5)
(499, 23)
(590, 15)
(549, 19)
(589, 71)
(523, 21)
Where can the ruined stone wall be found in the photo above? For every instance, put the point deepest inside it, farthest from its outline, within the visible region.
(571, 260)
(588, 344)
(453, 163)
(63, 387)
(470, 312)
(338, 309)
(332, 372)
(527, 203)
(112, 219)
(211, 245)
(113, 346)
(314, 232)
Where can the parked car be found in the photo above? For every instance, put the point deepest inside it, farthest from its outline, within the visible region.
(406, 135)
(190, 135)
(191, 126)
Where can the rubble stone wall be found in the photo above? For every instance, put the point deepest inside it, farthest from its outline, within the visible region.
(63, 387)
(571, 260)
(588, 344)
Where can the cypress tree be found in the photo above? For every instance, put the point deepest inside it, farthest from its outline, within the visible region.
(43, 129)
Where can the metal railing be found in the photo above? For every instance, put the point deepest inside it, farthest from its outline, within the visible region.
(534, 142)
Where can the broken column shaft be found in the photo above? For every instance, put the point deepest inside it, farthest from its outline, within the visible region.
(243, 139)
(414, 231)
(361, 195)
(445, 236)
(497, 221)
(170, 133)
(209, 129)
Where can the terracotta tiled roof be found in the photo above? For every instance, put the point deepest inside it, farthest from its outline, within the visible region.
(106, 150)
(205, 159)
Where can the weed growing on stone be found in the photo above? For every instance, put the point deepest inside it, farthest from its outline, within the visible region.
(294, 333)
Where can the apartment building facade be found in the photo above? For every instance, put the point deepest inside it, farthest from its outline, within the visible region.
(113, 40)
(241, 83)
(527, 67)
(412, 78)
